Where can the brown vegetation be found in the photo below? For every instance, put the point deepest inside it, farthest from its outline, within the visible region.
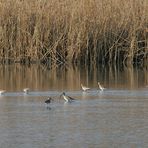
(83, 31)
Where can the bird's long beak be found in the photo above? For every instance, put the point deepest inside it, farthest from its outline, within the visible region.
(61, 95)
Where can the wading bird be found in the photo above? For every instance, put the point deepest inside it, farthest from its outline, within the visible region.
(100, 87)
(48, 101)
(26, 90)
(84, 88)
(2, 92)
(67, 99)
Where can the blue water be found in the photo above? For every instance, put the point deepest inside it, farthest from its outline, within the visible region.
(110, 119)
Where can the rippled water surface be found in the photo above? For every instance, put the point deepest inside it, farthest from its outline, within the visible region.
(116, 117)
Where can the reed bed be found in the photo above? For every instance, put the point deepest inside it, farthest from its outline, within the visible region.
(78, 31)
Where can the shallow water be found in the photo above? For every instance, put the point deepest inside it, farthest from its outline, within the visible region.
(116, 117)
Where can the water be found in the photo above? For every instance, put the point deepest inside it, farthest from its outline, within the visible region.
(116, 117)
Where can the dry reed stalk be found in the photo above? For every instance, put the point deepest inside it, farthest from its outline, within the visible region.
(84, 31)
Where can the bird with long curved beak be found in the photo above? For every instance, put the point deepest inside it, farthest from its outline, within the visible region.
(100, 87)
(48, 101)
(84, 88)
(67, 98)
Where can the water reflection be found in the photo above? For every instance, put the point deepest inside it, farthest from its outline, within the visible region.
(37, 77)
(116, 117)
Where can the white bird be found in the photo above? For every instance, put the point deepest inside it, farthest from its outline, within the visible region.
(100, 87)
(26, 90)
(2, 92)
(84, 88)
(67, 99)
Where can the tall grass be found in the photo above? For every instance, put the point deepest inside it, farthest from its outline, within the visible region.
(82, 31)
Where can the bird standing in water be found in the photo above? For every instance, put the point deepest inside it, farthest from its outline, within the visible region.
(67, 99)
(2, 92)
(26, 90)
(100, 87)
(48, 101)
(84, 88)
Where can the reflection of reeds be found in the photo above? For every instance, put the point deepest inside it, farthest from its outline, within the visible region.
(16, 77)
(83, 31)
